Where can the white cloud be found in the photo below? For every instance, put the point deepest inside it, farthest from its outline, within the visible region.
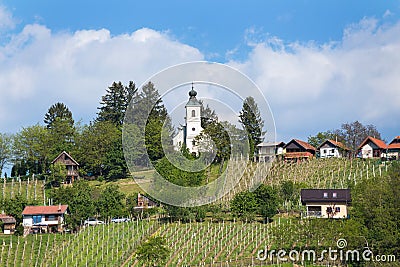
(317, 87)
(6, 19)
(40, 67)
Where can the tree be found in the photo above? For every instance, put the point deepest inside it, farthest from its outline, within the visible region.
(58, 111)
(244, 205)
(5, 150)
(79, 198)
(99, 150)
(166, 167)
(32, 146)
(376, 206)
(208, 115)
(153, 252)
(60, 124)
(115, 102)
(151, 117)
(320, 137)
(110, 204)
(58, 172)
(250, 117)
(267, 201)
(185, 214)
(354, 133)
(215, 132)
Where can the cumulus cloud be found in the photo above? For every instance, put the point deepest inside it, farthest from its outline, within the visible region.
(311, 87)
(316, 87)
(40, 67)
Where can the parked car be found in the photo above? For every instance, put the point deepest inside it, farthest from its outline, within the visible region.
(119, 220)
(93, 221)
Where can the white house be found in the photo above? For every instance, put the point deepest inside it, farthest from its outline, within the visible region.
(266, 151)
(44, 218)
(372, 148)
(333, 149)
(192, 128)
(326, 203)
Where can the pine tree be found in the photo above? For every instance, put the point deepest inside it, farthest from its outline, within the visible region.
(115, 102)
(60, 124)
(58, 111)
(251, 119)
(151, 116)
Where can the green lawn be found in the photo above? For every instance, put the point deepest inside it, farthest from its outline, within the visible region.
(127, 185)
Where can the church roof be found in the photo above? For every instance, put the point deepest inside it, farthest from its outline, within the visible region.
(192, 98)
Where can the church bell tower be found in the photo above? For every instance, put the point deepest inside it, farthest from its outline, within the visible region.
(192, 121)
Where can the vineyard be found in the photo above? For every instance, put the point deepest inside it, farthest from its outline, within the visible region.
(192, 244)
(316, 173)
(33, 190)
(224, 243)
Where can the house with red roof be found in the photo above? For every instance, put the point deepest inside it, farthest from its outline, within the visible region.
(393, 149)
(333, 149)
(297, 150)
(44, 219)
(372, 148)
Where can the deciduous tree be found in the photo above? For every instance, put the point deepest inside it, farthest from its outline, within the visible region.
(153, 252)
(5, 150)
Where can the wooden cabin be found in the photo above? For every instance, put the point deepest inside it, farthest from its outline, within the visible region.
(9, 223)
(71, 165)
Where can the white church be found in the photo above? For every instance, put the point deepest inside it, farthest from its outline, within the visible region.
(192, 127)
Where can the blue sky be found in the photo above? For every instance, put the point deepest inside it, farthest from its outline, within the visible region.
(319, 63)
(214, 27)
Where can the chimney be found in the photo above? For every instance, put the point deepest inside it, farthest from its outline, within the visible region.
(59, 207)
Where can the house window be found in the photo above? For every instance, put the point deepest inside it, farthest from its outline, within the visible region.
(51, 218)
(333, 151)
(334, 195)
(193, 113)
(337, 209)
(325, 194)
(324, 151)
(37, 219)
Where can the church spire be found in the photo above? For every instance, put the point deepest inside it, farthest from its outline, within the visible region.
(192, 98)
(192, 93)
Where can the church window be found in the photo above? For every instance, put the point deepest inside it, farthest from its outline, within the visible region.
(193, 113)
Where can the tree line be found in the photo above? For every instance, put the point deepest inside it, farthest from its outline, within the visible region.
(351, 134)
(97, 146)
